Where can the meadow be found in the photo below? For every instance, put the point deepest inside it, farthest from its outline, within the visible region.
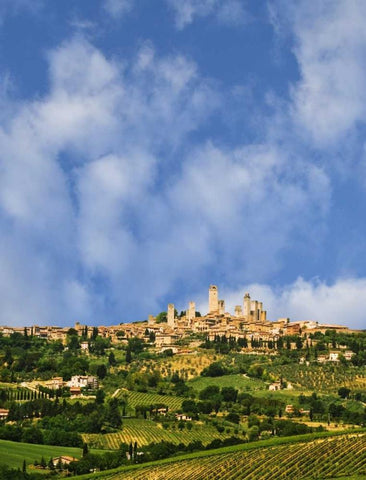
(13, 453)
(240, 382)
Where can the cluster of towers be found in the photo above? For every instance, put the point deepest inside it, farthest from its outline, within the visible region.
(250, 311)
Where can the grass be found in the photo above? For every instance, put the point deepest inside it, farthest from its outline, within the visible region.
(13, 453)
(240, 382)
(277, 458)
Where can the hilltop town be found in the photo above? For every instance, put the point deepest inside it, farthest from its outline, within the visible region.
(249, 323)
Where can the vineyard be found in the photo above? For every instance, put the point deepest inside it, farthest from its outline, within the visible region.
(323, 458)
(326, 378)
(140, 398)
(20, 394)
(147, 431)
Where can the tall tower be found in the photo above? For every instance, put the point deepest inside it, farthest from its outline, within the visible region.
(221, 307)
(213, 302)
(170, 318)
(191, 312)
(246, 309)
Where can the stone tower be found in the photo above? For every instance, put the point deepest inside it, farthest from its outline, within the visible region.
(191, 312)
(171, 321)
(221, 307)
(213, 302)
(246, 309)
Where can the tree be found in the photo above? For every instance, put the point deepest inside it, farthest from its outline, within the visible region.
(253, 433)
(101, 371)
(344, 392)
(233, 418)
(113, 416)
(99, 397)
(229, 394)
(130, 450)
(298, 343)
(128, 355)
(85, 449)
(214, 370)
(209, 392)
(73, 342)
(112, 359)
(50, 464)
(162, 317)
(136, 345)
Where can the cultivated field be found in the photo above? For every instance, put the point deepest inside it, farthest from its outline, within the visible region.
(140, 398)
(322, 378)
(323, 458)
(147, 431)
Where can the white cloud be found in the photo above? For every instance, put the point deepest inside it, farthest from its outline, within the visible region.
(341, 303)
(15, 7)
(329, 100)
(118, 8)
(68, 201)
(229, 12)
(114, 208)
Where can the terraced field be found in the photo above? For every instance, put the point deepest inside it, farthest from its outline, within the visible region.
(324, 458)
(326, 378)
(139, 398)
(147, 431)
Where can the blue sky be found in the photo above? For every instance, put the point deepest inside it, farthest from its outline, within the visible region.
(148, 149)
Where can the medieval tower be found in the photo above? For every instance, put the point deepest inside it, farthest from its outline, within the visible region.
(213, 299)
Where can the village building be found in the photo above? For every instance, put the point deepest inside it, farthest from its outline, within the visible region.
(4, 413)
(63, 460)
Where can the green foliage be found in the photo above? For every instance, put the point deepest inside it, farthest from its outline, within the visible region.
(214, 370)
(162, 317)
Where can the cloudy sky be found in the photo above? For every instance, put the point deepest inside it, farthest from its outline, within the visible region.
(150, 148)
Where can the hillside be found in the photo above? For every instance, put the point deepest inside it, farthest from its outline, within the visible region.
(323, 458)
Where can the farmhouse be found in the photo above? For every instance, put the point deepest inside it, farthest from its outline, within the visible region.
(182, 417)
(3, 414)
(275, 386)
(55, 383)
(63, 459)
